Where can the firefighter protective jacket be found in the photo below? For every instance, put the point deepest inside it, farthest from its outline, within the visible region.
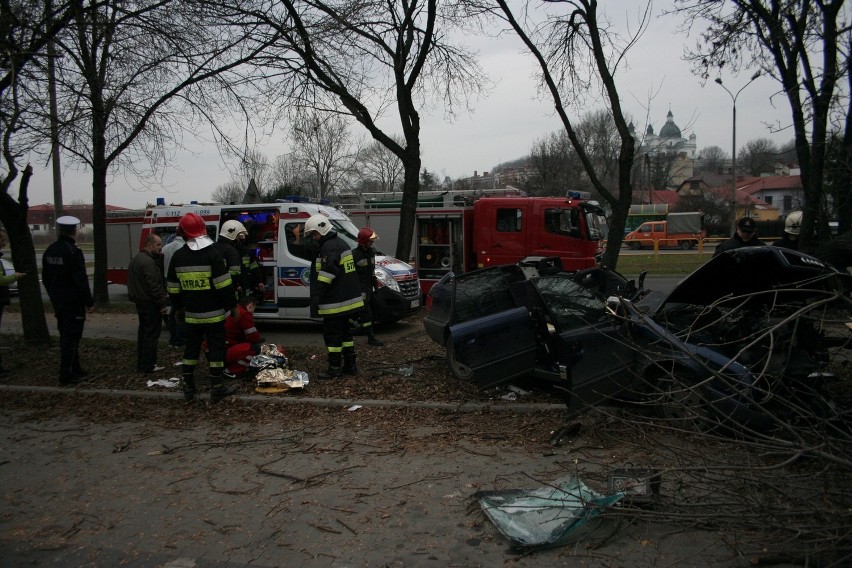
(365, 266)
(231, 255)
(251, 274)
(335, 290)
(199, 284)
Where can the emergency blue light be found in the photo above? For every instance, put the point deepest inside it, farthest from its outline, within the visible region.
(578, 195)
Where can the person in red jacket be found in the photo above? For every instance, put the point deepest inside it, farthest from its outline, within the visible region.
(241, 336)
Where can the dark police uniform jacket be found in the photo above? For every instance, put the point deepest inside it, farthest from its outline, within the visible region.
(64, 276)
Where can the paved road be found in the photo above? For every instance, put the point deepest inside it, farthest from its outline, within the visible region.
(123, 326)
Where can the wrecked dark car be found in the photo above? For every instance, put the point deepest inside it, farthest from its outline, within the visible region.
(743, 339)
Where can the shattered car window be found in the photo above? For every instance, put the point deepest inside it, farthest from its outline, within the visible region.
(481, 293)
(570, 304)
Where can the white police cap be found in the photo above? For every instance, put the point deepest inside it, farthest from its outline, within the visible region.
(68, 221)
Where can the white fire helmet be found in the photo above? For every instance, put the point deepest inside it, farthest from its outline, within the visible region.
(232, 229)
(318, 223)
(793, 223)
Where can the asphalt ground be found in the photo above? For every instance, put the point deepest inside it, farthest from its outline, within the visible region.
(143, 494)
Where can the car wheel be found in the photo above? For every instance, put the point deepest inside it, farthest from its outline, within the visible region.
(635, 245)
(681, 403)
(459, 370)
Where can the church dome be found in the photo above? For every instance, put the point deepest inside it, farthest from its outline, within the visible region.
(670, 129)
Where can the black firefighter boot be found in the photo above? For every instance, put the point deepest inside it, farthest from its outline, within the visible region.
(218, 388)
(349, 362)
(334, 370)
(188, 384)
(372, 339)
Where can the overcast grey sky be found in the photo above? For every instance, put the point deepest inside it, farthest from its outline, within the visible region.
(504, 126)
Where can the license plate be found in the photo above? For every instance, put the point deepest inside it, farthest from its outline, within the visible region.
(415, 303)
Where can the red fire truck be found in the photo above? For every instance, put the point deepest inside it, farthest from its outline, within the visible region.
(275, 235)
(460, 231)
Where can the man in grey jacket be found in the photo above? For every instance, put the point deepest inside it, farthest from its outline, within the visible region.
(146, 288)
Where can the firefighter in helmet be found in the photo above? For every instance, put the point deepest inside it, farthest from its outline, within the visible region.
(792, 227)
(228, 245)
(365, 265)
(335, 295)
(201, 289)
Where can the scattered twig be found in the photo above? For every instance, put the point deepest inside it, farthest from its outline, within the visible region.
(324, 528)
(347, 527)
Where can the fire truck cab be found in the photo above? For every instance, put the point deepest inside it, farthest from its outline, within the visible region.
(275, 232)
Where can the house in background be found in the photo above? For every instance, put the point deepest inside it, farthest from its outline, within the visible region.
(747, 205)
(785, 193)
(42, 218)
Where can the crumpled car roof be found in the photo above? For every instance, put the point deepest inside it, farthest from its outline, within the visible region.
(751, 270)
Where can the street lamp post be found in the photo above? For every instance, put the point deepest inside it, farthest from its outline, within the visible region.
(734, 147)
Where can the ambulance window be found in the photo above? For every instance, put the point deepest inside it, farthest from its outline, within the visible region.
(166, 233)
(509, 220)
(295, 245)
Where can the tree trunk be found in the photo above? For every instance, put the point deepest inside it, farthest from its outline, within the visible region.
(13, 215)
(408, 209)
(101, 285)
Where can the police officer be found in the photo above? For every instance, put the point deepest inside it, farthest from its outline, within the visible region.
(64, 276)
(745, 236)
(335, 295)
(365, 266)
(201, 289)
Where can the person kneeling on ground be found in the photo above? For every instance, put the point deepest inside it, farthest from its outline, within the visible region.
(242, 339)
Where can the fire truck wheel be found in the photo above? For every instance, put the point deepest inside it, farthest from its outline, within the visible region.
(459, 370)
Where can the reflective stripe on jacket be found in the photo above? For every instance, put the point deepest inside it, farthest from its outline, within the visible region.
(335, 289)
(199, 283)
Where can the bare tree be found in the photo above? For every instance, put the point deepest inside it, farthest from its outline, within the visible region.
(285, 178)
(230, 192)
(27, 29)
(379, 169)
(758, 156)
(127, 84)
(323, 151)
(712, 160)
(558, 165)
(551, 159)
(575, 48)
(802, 44)
(368, 57)
(251, 165)
(665, 170)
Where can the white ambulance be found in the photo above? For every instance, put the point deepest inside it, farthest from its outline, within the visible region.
(275, 234)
